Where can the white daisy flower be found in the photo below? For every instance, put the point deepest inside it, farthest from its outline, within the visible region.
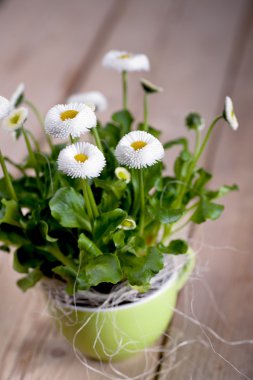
(149, 87)
(123, 174)
(93, 97)
(15, 119)
(124, 61)
(5, 107)
(229, 113)
(71, 119)
(127, 224)
(81, 160)
(139, 149)
(18, 95)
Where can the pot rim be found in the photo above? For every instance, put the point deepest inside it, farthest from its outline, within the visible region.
(171, 280)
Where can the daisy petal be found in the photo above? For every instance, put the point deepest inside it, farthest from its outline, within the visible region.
(15, 119)
(124, 61)
(81, 160)
(5, 107)
(93, 97)
(139, 149)
(229, 113)
(71, 119)
(18, 95)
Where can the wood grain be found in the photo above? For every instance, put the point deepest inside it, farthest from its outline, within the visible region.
(45, 48)
(219, 295)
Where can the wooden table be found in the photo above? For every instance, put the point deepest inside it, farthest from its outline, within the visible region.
(200, 51)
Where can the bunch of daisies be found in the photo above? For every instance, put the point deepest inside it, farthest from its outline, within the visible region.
(97, 208)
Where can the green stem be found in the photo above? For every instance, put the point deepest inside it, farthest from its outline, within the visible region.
(197, 143)
(187, 210)
(124, 89)
(17, 166)
(142, 200)
(32, 157)
(30, 151)
(87, 201)
(97, 138)
(39, 118)
(181, 227)
(7, 178)
(35, 142)
(92, 201)
(205, 141)
(54, 250)
(197, 154)
(195, 160)
(72, 140)
(136, 203)
(145, 111)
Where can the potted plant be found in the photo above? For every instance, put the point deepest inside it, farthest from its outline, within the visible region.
(95, 223)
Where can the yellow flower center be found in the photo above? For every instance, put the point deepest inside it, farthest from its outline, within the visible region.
(15, 119)
(127, 223)
(80, 157)
(122, 175)
(69, 114)
(125, 56)
(138, 145)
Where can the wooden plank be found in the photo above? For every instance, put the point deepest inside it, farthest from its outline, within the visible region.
(218, 296)
(45, 47)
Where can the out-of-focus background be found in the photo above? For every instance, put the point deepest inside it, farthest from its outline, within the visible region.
(200, 51)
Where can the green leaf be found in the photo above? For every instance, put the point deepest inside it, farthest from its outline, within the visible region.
(223, 190)
(151, 175)
(182, 163)
(165, 216)
(180, 141)
(135, 244)
(44, 232)
(206, 210)
(140, 270)
(115, 187)
(124, 119)
(11, 235)
(74, 281)
(110, 134)
(17, 266)
(107, 223)
(28, 256)
(68, 208)
(30, 280)
(37, 232)
(86, 245)
(175, 247)
(10, 213)
(4, 248)
(119, 239)
(104, 268)
(203, 178)
(27, 190)
(153, 131)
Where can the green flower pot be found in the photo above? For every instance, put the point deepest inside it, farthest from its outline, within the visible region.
(117, 333)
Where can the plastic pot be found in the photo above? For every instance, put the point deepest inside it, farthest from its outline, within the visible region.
(116, 333)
